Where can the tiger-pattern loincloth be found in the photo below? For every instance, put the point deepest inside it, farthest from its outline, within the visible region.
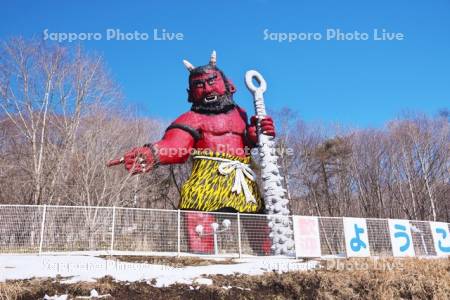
(213, 184)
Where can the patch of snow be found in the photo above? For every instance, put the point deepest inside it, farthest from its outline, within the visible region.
(94, 295)
(203, 281)
(62, 297)
(89, 268)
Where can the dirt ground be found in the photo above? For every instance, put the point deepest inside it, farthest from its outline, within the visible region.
(336, 279)
(176, 262)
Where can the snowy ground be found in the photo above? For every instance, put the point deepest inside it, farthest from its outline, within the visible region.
(89, 268)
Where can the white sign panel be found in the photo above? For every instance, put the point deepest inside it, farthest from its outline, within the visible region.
(441, 238)
(401, 238)
(307, 237)
(356, 237)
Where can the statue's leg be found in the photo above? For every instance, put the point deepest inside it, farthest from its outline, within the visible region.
(199, 241)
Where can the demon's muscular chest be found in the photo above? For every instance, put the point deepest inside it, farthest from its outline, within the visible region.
(225, 132)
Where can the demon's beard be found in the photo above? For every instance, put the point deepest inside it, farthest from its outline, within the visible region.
(223, 104)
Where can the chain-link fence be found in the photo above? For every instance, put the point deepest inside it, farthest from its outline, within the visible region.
(114, 230)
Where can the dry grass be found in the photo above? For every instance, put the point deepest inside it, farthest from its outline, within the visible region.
(348, 279)
(353, 279)
(11, 290)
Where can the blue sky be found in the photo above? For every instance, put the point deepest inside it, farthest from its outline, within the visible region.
(355, 83)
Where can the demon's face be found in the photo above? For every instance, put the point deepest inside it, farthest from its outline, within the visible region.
(207, 87)
(209, 90)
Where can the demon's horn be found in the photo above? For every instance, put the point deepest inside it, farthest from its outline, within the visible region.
(188, 65)
(213, 59)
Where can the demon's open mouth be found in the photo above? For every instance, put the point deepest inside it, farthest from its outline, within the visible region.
(211, 98)
(214, 104)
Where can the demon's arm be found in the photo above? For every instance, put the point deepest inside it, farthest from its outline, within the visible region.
(173, 148)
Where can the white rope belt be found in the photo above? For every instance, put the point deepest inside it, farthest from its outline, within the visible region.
(227, 166)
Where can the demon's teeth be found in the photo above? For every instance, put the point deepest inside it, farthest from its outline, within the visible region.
(210, 98)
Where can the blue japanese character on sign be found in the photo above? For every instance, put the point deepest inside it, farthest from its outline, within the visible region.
(402, 234)
(356, 237)
(356, 243)
(442, 232)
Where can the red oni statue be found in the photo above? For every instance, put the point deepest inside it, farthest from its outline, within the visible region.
(218, 136)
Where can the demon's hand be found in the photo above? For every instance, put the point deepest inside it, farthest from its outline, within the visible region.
(137, 160)
(266, 125)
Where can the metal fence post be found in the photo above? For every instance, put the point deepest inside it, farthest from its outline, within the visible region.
(239, 234)
(41, 239)
(178, 232)
(113, 229)
(293, 234)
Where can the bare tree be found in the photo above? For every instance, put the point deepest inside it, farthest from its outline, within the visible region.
(420, 160)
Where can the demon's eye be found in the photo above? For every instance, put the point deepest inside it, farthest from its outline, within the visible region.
(212, 79)
(199, 84)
